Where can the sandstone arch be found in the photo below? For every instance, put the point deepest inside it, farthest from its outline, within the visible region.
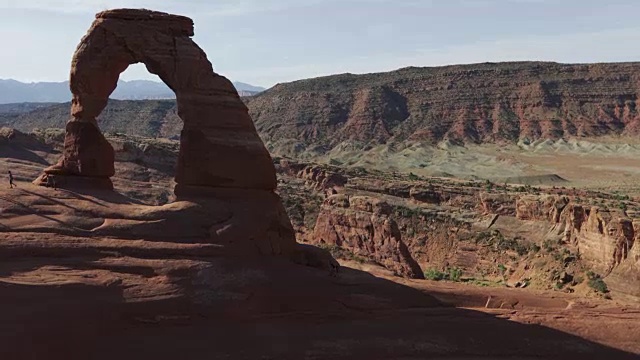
(219, 145)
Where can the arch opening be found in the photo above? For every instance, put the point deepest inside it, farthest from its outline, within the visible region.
(136, 77)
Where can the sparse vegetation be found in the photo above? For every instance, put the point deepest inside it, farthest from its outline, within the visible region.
(406, 212)
(502, 269)
(431, 231)
(501, 243)
(454, 274)
(548, 246)
(596, 282)
(619, 197)
(451, 274)
(433, 274)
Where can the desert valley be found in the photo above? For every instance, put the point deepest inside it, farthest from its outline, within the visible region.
(477, 211)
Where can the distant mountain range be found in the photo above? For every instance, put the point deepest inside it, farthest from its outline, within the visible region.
(12, 91)
(477, 103)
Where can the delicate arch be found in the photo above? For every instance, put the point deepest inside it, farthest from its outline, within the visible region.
(219, 145)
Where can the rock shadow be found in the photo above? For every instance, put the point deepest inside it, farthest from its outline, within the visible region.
(288, 317)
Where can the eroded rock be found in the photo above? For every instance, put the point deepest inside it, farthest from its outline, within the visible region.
(605, 239)
(363, 226)
(221, 160)
(219, 143)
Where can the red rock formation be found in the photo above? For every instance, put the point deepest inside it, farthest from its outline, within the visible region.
(483, 103)
(321, 179)
(626, 276)
(497, 204)
(219, 143)
(86, 152)
(425, 195)
(547, 208)
(222, 162)
(363, 226)
(315, 176)
(605, 239)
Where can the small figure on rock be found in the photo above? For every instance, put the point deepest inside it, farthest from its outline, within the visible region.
(50, 181)
(334, 268)
(11, 184)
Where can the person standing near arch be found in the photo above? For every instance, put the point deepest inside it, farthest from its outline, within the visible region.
(51, 182)
(11, 184)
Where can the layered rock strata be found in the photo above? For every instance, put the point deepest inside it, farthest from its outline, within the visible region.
(363, 226)
(606, 239)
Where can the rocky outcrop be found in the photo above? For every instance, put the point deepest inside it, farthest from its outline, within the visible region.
(425, 195)
(499, 204)
(222, 163)
(315, 176)
(219, 143)
(626, 276)
(322, 179)
(86, 152)
(547, 208)
(605, 239)
(363, 226)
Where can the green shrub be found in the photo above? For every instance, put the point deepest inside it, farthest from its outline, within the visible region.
(451, 274)
(454, 274)
(433, 274)
(502, 269)
(596, 283)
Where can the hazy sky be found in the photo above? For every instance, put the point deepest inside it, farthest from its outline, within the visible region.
(264, 42)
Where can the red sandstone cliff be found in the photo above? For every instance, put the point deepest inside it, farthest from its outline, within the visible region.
(490, 102)
(363, 226)
(605, 239)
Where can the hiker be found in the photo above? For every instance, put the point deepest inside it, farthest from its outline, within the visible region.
(334, 266)
(11, 184)
(51, 181)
